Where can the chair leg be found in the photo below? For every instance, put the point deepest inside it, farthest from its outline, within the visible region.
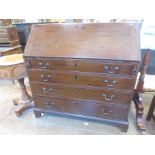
(151, 110)
(139, 111)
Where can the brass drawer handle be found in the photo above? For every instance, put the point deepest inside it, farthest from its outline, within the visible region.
(43, 66)
(108, 99)
(111, 71)
(110, 83)
(45, 79)
(47, 90)
(49, 103)
(106, 112)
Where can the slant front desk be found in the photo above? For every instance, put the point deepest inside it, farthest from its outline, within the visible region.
(84, 70)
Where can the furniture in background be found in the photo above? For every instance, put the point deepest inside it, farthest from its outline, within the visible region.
(8, 34)
(12, 67)
(9, 41)
(84, 70)
(23, 32)
(141, 89)
(10, 50)
(151, 110)
(143, 69)
(23, 27)
(5, 22)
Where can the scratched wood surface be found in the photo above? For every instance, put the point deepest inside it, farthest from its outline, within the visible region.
(116, 41)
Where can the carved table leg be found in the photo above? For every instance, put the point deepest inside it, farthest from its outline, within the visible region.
(151, 110)
(139, 111)
(25, 102)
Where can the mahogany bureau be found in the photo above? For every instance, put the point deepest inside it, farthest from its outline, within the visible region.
(84, 70)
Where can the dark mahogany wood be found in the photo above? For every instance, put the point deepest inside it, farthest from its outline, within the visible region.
(113, 41)
(84, 70)
(78, 78)
(109, 67)
(82, 108)
(83, 93)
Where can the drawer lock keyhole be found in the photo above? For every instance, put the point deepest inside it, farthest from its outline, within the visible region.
(43, 66)
(111, 71)
(49, 103)
(110, 83)
(106, 111)
(47, 90)
(110, 98)
(45, 79)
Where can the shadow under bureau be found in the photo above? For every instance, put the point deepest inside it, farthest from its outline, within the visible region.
(84, 70)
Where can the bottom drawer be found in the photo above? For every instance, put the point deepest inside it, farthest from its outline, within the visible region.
(84, 108)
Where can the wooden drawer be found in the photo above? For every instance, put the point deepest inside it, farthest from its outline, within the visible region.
(109, 67)
(81, 108)
(96, 80)
(82, 93)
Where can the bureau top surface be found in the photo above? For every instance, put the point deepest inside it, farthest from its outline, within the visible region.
(113, 41)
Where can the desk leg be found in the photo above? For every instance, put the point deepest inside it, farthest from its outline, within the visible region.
(139, 111)
(25, 102)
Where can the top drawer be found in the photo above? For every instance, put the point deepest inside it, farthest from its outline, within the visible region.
(101, 66)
